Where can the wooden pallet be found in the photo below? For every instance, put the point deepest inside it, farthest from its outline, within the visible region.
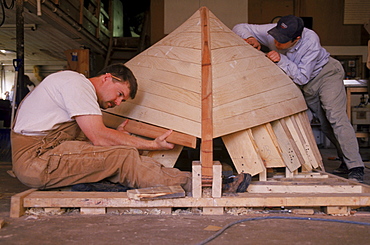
(306, 190)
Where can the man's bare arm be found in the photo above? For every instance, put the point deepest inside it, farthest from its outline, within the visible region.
(95, 130)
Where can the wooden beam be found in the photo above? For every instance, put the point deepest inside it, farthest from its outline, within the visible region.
(148, 130)
(120, 199)
(206, 155)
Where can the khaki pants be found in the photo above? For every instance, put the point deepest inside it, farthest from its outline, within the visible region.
(326, 97)
(61, 158)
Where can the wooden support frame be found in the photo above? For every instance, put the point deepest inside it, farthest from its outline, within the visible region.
(337, 195)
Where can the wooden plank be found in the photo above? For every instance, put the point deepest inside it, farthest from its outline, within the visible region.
(147, 130)
(291, 158)
(258, 101)
(166, 158)
(116, 199)
(152, 193)
(295, 143)
(305, 140)
(230, 123)
(303, 120)
(303, 188)
(243, 152)
(162, 119)
(17, 208)
(268, 146)
(206, 148)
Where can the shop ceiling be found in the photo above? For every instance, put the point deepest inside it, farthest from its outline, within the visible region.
(46, 37)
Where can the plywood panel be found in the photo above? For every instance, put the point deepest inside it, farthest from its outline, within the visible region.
(166, 158)
(243, 152)
(268, 146)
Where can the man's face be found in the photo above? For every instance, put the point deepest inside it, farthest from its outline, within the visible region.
(113, 93)
(282, 46)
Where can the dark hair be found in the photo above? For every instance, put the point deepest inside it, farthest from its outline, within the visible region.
(121, 71)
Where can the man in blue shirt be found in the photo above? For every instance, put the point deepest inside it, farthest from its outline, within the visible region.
(297, 51)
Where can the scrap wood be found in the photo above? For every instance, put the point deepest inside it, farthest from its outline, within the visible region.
(156, 193)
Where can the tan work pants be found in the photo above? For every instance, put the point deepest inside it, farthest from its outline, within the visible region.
(60, 159)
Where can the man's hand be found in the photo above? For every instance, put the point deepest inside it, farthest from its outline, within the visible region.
(273, 56)
(253, 41)
(122, 126)
(162, 143)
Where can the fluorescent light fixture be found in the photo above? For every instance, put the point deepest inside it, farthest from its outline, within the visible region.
(7, 51)
(27, 27)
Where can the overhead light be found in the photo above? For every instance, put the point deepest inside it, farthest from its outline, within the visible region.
(7, 51)
(27, 27)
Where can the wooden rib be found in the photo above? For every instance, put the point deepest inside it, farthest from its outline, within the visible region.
(151, 131)
(207, 121)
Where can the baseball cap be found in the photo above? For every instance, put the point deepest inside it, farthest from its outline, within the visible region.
(287, 28)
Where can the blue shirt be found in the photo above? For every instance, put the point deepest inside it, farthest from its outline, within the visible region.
(301, 62)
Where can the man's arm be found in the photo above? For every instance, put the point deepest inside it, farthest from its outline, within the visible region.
(95, 130)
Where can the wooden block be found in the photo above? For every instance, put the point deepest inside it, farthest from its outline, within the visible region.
(213, 211)
(52, 210)
(307, 211)
(17, 208)
(337, 210)
(152, 193)
(197, 179)
(288, 173)
(167, 158)
(92, 210)
(217, 180)
(263, 175)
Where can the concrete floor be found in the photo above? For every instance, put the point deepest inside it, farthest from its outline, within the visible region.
(182, 227)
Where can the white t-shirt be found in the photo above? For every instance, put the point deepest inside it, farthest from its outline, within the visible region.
(57, 99)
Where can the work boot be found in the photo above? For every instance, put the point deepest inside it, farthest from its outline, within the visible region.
(238, 183)
(342, 169)
(101, 186)
(356, 174)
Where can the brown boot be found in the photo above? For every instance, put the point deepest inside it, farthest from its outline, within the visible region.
(236, 184)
